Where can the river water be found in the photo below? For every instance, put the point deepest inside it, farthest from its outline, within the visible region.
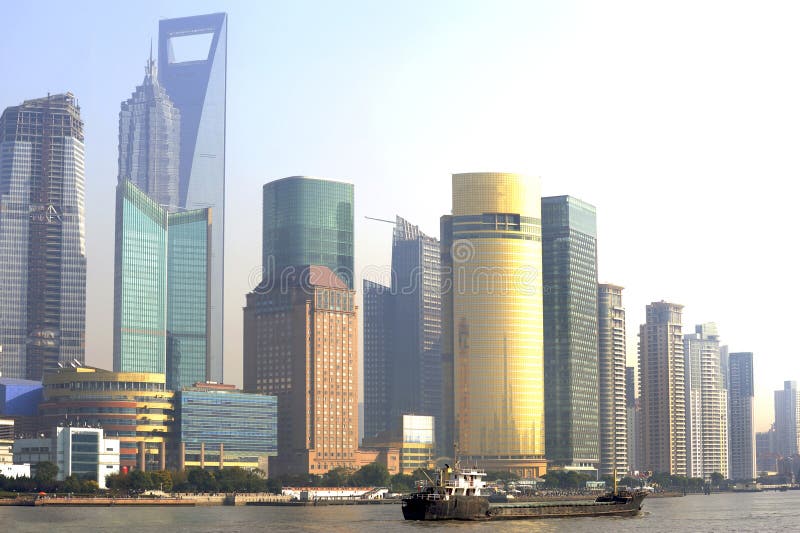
(768, 511)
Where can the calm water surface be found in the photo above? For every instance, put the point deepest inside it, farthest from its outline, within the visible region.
(719, 512)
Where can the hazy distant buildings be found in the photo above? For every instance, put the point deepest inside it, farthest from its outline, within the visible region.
(150, 141)
(787, 415)
(612, 380)
(301, 345)
(492, 314)
(161, 286)
(569, 275)
(307, 221)
(633, 421)
(662, 390)
(402, 330)
(766, 451)
(192, 69)
(42, 237)
(741, 430)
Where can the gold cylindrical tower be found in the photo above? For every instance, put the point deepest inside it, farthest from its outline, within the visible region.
(496, 321)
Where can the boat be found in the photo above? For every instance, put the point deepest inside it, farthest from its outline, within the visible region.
(456, 494)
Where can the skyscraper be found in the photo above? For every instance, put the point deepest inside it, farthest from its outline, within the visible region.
(416, 386)
(402, 331)
(42, 237)
(741, 432)
(662, 390)
(492, 308)
(378, 314)
(787, 415)
(707, 404)
(161, 283)
(307, 221)
(612, 380)
(149, 141)
(301, 345)
(569, 274)
(192, 69)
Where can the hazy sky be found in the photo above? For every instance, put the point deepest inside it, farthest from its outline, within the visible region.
(679, 121)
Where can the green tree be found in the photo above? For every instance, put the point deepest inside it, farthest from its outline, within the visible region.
(71, 484)
(402, 483)
(371, 475)
(717, 479)
(46, 473)
(162, 480)
(338, 477)
(202, 480)
(89, 486)
(139, 481)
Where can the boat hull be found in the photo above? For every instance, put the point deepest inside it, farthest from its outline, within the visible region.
(479, 508)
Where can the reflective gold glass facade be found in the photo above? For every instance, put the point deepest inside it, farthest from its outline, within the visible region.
(494, 274)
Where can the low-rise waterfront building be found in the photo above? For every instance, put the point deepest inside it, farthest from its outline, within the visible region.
(134, 407)
(218, 426)
(9, 470)
(414, 437)
(83, 451)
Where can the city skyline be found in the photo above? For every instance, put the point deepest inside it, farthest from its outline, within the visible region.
(616, 219)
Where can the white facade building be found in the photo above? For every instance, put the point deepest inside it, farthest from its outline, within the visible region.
(75, 450)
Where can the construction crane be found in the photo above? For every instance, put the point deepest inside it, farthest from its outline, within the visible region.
(381, 220)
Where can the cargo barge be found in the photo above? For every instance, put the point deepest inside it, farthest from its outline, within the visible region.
(456, 495)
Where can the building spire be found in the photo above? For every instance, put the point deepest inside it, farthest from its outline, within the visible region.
(151, 70)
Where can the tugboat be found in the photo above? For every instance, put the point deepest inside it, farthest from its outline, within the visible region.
(456, 495)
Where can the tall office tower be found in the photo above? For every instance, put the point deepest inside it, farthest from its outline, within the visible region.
(707, 404)
(307, 221)
(569, 274)
(633, 420)
(416, 386)
(741, 432)
(161, 282)
(42, 237)
(724, 358)
(446, 431)
(192, 69)
(301, 345)
(662, 391)
(149, 141)
(612, 381)
(493, 309)
(766, 451)
(408, 347)
(377, 356)
(787, 415)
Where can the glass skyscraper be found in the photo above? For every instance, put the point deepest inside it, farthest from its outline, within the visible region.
(492, 307)
(161, 280)
(307, 221)
(402, 334)
(42, 237)
(192, 69)
(741, 431)
(569, 274)
(377, 356)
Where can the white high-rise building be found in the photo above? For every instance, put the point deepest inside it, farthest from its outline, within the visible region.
(706, 404)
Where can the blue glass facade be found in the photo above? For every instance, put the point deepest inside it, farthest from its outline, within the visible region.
(140, 282)
(161, 284)
(20, 397)
(188, 280)
(196, 84)
(308, 221)
(246, 424)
